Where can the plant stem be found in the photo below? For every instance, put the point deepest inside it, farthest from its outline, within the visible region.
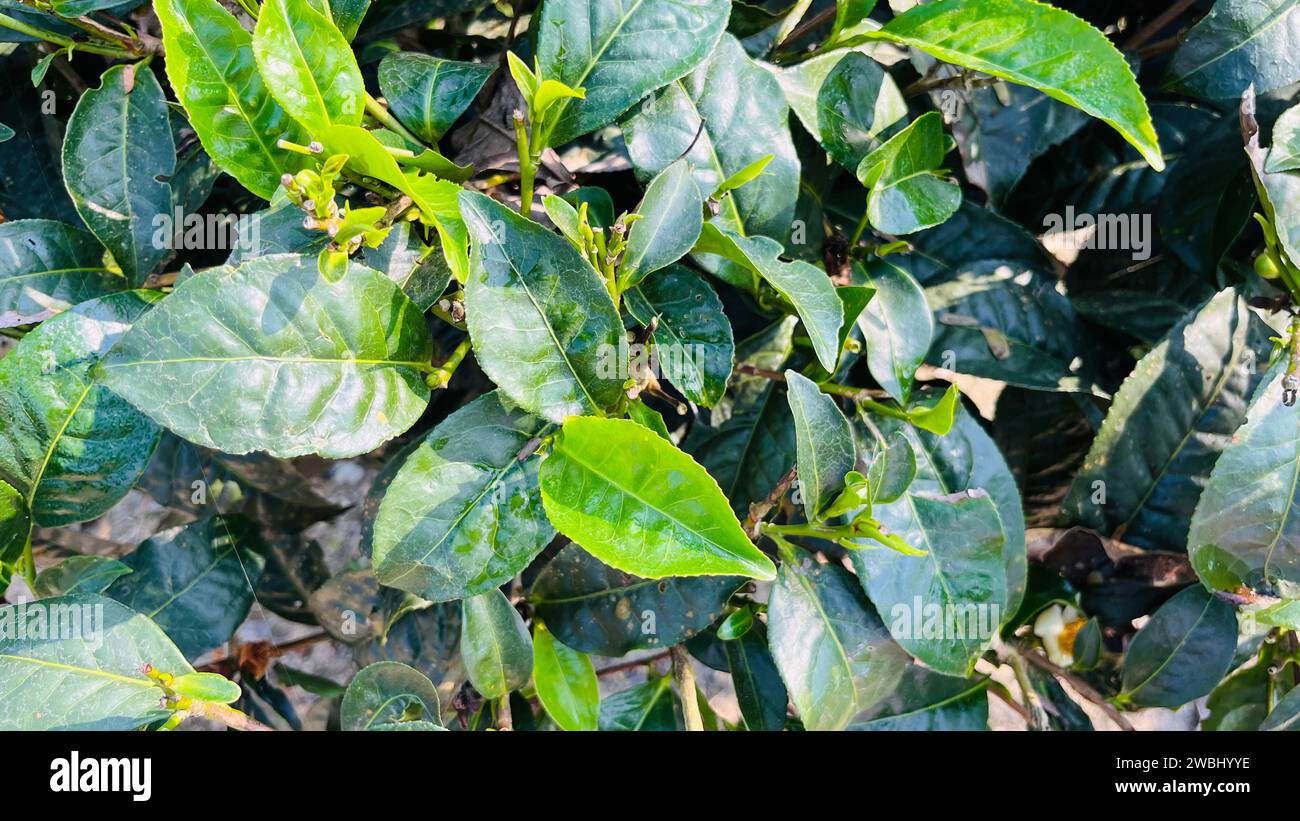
(1080, 686)
(58, 39)
(377, 110)
(527, 167)
(504, 720)
(685, 678)
(882, 409)
(441, 375)
(858, 231)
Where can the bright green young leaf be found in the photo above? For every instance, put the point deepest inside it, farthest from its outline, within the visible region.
(806, 287)
(211, 67)
(87, 679)
(545, 329)
(905, 194)
(825, 443)
(936, 417)
(693, 342)
(389, 695)
(308, 65)
(1182, 652)
(495, 645)
(944, 607)
(117, 155)
(857, 105)
(595, 608)
(672, 213)
(649, 418)
(653, 512)
(834, 654)
(15, 530)
(427, 94)
(1036, 45)
(463, 515)
(84, 575)
(71, 446)
(897, 325)
(566, 682)
(48, 266)
(272, 357)
(620, 51)
(193, 581)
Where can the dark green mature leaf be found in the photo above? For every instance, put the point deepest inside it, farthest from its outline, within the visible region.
(463, 515)
(693, 341)
(653, 512)
(857, 105)
(193, 581)
(565, 681)
(944, 607)
(403, 257)
(348, 14)
(806, 287)
(760, 692)
(905, 192)
(48, 266)
(73, 448)
(597, 609)
(79, 574)
(672, 214)
(1244, 530)
(271, 356)
(1007, 320)
(743, 118)
(117, 156)
(1284, 154)
(897, 325)
(82, 670)
(1286, 713)
(646, 707)
(619, 52)
(834, 654)
(211, 67)
(428, 94)
(1036, 45)
(1179, 409)
(308, 65)
(1239, 43)
(389, 695)
(824, 443)
(495, 645)
(1240, 701)
(1182, 653)
(927, 701)
(542, 322)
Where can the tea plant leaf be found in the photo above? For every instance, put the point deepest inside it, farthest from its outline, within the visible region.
(117, 155)
(693, 342)
(760, 692)
(898, 326)
(857, 106)
(463, 515)
(672, 213)
(495, 644)
(928, 701)
(905, 194)
(644, 708)
(1284, 154)
(211, 67)
(1170, 420)
(544, 326)
(307, 64)
(76, 680)
(597, 609)
(389, 695)
(271, 356)
(1182, 652)
(1039, 46)
(427, 94)
(71, 446)
(565, 681)
(86, 575)
(48, 266)
(655, 512)
(1243, 530)
(835, 656)
(1236, 45)
(824, 443)
(618, 52)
